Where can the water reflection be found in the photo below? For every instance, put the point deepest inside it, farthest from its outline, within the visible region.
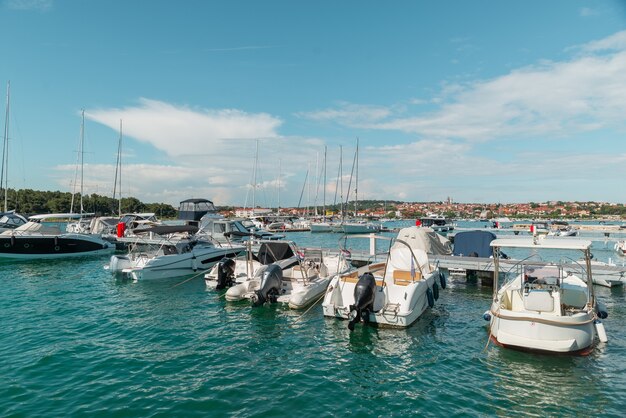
(553, 384)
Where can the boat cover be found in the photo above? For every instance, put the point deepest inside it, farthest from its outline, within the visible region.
(270, 252)
(425, 239)
(473, 243)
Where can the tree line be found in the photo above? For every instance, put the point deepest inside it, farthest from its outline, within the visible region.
(31, 202)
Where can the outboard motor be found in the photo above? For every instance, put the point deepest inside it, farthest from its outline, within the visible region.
(225, 273)
(363, 299)
(271, 284)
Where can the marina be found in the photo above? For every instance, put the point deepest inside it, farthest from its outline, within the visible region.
(311, 209)
(84, 329)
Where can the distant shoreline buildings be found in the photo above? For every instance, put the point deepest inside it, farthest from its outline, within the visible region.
(387, 209)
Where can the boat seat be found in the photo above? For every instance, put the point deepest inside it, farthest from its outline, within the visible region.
(539, 300)
(403, 277)
(354, 277)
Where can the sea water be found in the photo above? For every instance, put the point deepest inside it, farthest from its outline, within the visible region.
(76, 342)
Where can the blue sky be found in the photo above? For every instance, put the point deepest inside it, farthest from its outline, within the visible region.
(482, 101)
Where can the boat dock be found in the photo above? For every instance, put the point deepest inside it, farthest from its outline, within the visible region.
(484, 266)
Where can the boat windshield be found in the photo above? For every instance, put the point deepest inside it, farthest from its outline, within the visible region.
(542, 274)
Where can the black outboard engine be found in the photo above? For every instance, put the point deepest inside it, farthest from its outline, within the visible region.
(225, 273)
(363, 299)
(271, 285)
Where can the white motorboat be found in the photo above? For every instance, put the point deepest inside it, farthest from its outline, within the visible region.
(277, 271)
(360, 227)
(42, 238)
(318, 227)
(606, 279)
(393, 293)
(620, 247)
(544, 307)
(164, 252)
(438, 223)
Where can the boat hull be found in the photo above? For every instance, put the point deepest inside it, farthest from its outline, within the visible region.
(398, 310)
(51, 247)
(566, 334)
(175, 265)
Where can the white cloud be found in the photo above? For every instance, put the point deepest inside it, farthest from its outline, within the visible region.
(585, 93)
(180, 130)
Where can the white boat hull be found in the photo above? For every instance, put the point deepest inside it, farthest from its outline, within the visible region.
(400, 309)
(527, 331)
(199, 260)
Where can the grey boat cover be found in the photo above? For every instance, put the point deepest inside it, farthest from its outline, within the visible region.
(473, 243)
(425, 239)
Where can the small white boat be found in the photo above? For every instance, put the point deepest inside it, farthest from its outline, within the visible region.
(620, 247)
(438, 223)
(544, 307)
(393, 293)
(360, 227)
(318, 227)
(165, 252)
(277, 271)
(612, 279)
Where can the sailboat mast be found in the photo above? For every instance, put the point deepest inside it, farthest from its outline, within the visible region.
(341, 181)
(4, 177)
(82, 158)
(279, 169)
(256, 164)
(118, 173)
(356, 182)
(324, 190)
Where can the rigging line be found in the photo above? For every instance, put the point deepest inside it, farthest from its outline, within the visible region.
(350, 182)
(303, 187)
(192, 277)
(308, 309)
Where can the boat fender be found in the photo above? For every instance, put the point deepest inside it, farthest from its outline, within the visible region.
(487, 316)
(442, 280)
(12, 240)
(436, 291)
(601, 311)
(600, 331)
(430, 297)
(194, 267)
(56, 241)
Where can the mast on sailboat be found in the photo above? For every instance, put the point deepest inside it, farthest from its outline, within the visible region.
(79, 163)
(324, 191)
(4, 181)
(118, 173)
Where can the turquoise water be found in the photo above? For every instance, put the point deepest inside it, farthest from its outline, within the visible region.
(74, 341)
